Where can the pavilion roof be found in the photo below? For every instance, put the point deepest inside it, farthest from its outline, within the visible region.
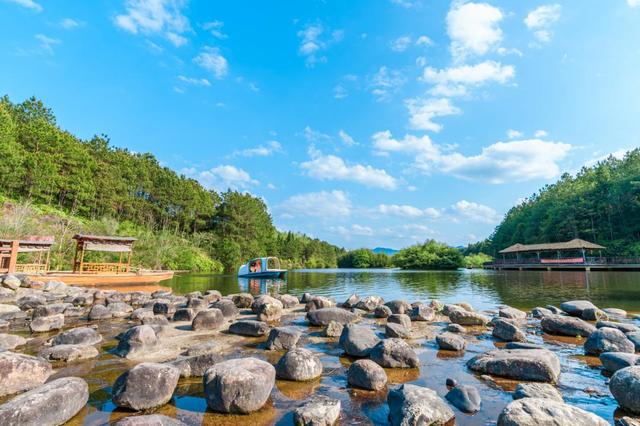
(575, 244)
(31, 244)
(105, 243)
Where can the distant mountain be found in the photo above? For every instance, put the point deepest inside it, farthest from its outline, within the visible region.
(385, 250)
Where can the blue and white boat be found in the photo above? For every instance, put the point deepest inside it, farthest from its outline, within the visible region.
(262, 267)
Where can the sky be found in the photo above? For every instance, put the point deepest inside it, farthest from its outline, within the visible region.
(364, 123)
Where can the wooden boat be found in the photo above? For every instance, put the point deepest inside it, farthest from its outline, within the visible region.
(262, 267)
(76, 278)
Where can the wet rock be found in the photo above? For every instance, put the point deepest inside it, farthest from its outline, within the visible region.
(399, 306)
(322, 317)
(625, 388)
(283, 338)
(566, 326)
(537, 390)
(593, 314)
(120, 309)
(396, 330)
(541, 312)
(627, 421)
(451, 383)
(52, 309)
(536, 365)
(202, 348)
(68, 353)
(608, 340)
(22, 372)
(554, 310)
(456, 328)
(358, 340)
(522, 345)
(465, 398)
(422, 313)
(369, 303)
(147, 385)
(269, 312)
(401, 319)
(44, 324)
(227, 307)
(11, 341)
(575, 307)
(300, 365)
(394, 353)
(450, 342)
(155, 320)
(511, 313)
(287, 300)
(614, 361)
(11, 282)
(249, 328)
(615, 312)
(411, 405)
(542, 411)
(464, 317)
(210, 319)
(320, 410)
(507, 331)
(242, 300)
(622, 326)
(333, 329)
(635, 338)
(366, 374)
(319, 302)
(51, 404)
(262, 300)
(382, 311)
(77, 336)
(99, 312)
(196, 365)
(149, 420)
(137, 339)
(239, 385)
(184, 314)
(351, 301)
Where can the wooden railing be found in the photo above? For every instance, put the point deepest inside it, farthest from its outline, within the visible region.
(587, 261)
(31, 268)
(104, 268)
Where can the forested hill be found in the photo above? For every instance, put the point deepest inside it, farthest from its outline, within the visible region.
(91, 179)
(600, 204)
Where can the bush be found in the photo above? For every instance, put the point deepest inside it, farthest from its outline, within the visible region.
(475, 261)
(430, 255)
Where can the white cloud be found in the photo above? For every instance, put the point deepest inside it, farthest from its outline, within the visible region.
(215, 29)
(155, 17)
(407, 4)
(473, 28)
(351, 231)
(408, 211)
(314, 40)
(323, 204)
(618, 154)
(540, 20)
(194, 81)
(339, 92)
(312, 135)
(454, 80)
(222, 178)
(29, 4)
(400, 44)
(633, 3)
(423, 111)
(384, 142)
(211, 60)
(514, 134)
(541, 134)
(46, 44)
(331, 167)
(346, 138)
(266, 150)
(423, 41)
(386, 82)
(476, 212)
(69, 24)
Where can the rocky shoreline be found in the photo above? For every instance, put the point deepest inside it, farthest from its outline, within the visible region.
(239, 352)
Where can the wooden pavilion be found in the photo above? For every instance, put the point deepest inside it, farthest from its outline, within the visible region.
(122, 246)
(568, 247)
(37, 249)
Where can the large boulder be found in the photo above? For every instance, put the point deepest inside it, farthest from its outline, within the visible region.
(399, 306)
(512, 313)
(450, 342)
(394, 353)
(270, 311)
(283, 338)
(333, 329)
(21, 372)
(239, 385)
(422, 313)
(242, 300)
(249, 328)
(300, 365)
(147, 385)
(575, 307)
(614, 361)
(77, 336)
(44, 324)
(465, 398)
(507, 331)
(322, 317)
(140, 338)
(537, 390)
(369, 303)
(358, 340)
(625, 327)
(608, 340)
(227, 307)
(287, 300)
(382, 311)
(411, 405)
(593, 314)
(625, 388)
(543, 411)
(68, 353)
(319, 302)
(351, 301)
(396, 330)
(320, 410)
(11, 282)
(11, 341)
(209, 319)
(149, 420)
(196, 365)
(402, 319)
(54, 403)
(635, 339)
(536, 365)
(263, 300)
(464, 317)
(184, 314)
(566, 326)
(366, 374)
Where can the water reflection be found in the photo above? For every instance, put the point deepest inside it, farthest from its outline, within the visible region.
(262, 285)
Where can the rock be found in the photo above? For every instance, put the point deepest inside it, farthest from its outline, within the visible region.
(627, 421)
(456, 328)
(54, 308)
(465, 398)
(262, 300)
(399, 306)
(625, 388)
(249, 328)
(358, 340)
(608, 340)
(227, 307)
(184, 314)
(300, 365)
(9, 342)
(55, 287)
(566, 326)
(239, 385)
(351, 301)
(540, 312)
(283, 338)
(542, 411)
(120, 309)
(44, 324)
(141, 313)
(147, 385)
(31, 301)
(536, 365)
(614, 361)
(466, 306)
(394, 353)
(464, 317)
(288, 301)
(622, 326)
(242, 300)
(137, 339)
(635, 338)
(396, 330)
(450, 342)
(593, 314)
(155, 320)
(270, 312)
(11, 282)
(7, 296)
(575, 307)
(196, 365)
(54, 403)
(319, 302)
(554, 310)
(149, 420)
(197, 304)
(305, 297)
(68, 353)
(451, 383)
(320, 410)
(202, 348)
(369, 303)
(382, 311)
(537, 390)
(321, 317)
(508, 332)
(77, 336)
(74, 312)
(615, 312)
(21, 372)
(423, 313)
(511, 313)
(401, 319)
(333, 329)
(411, 405)
(4, 325)
(209, 319)
(366, 374)
(164, 308)
(99, 312)
(522, 345)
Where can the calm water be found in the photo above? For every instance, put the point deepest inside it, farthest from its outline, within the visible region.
(483, 289)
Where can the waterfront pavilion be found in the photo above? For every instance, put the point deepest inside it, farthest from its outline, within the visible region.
(564, 252)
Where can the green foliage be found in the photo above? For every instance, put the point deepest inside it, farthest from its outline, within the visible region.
(364, 258)
(475, 261)
(430, 255)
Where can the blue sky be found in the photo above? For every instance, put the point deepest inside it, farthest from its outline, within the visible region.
(364, 123)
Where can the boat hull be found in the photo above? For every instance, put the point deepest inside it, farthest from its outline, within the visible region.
(264, 274)
(71, 278)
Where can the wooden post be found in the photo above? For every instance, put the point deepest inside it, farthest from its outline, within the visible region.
(46, 265)
(81, 257)
(119, 263)
(13, 257)
(129, 262)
